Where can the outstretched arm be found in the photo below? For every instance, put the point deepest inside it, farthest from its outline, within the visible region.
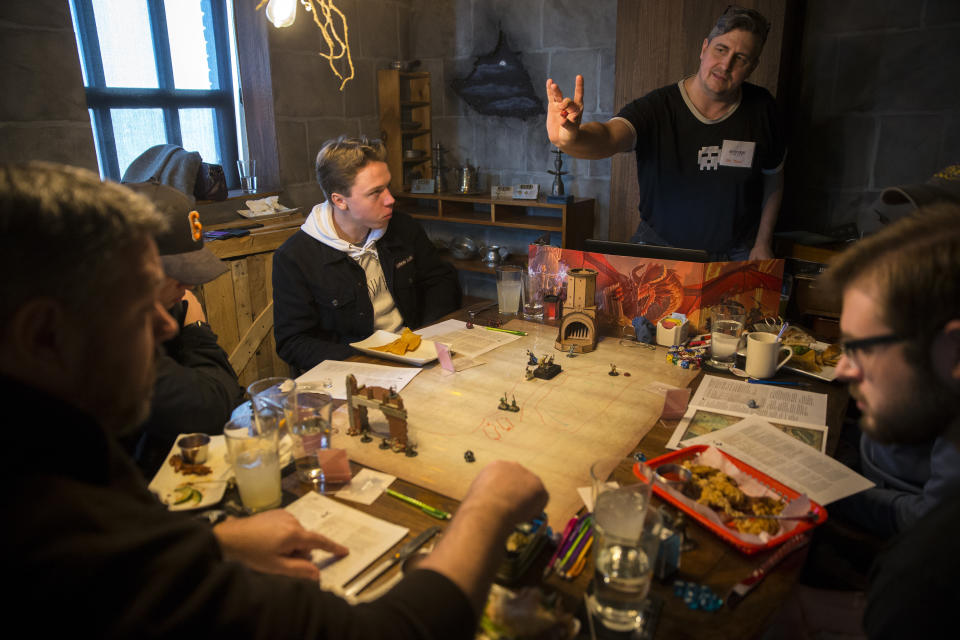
(594, 140)
(473, 546)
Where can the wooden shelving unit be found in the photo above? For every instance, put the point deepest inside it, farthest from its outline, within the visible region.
(405, 100)
(574, 221)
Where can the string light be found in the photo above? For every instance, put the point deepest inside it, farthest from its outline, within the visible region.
(331, 21)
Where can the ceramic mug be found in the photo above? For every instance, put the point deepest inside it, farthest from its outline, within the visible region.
(763, 351)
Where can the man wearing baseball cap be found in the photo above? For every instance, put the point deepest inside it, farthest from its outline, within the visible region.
(196, 388)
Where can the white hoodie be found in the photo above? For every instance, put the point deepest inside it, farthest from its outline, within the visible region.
(319, 226)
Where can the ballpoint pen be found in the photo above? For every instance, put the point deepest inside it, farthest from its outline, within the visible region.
(512, 331)
(440, 514)
(779, 383)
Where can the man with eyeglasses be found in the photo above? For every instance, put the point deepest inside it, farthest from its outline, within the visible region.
(901, 357)
(710, 148)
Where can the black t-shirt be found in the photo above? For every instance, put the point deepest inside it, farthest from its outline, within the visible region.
(691, 193)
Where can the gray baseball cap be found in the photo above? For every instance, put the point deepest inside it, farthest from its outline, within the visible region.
(181, 247)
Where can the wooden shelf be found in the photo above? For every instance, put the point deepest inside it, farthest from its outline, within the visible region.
(574, 221)
(404, 98)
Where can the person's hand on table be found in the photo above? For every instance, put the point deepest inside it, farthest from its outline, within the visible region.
(274, 542)
(564, 114)
(508, 491)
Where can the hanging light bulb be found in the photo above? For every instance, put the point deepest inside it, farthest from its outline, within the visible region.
(282, 13)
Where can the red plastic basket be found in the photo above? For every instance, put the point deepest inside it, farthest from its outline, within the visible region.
(723, 532)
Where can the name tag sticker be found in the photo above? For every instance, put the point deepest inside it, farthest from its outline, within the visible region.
(737, 153)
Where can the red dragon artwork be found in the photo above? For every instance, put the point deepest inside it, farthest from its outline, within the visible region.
(654, 289)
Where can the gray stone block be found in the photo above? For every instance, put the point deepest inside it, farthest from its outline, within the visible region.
(606, 80)
(537, 64)
(64, 143)
(908, 149)
(377, 30)
(304, 195)
(537, 147)
(504, 143)
(456, 134)
(520, 22)
(433, 28)
(819, 75)
(360, 94)
(41, 73)
(942, 12)
(452, 103)
(304, 86)
(296, 160)
(858, 73)
(917, 70)
(846, 16)
(565, 65)
(319, 130)
(50, 14)
(841, 153)
(570, 24)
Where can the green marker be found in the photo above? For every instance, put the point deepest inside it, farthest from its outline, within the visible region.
(439, 514)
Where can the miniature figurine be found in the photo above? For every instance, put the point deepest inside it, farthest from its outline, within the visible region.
(468, 456)
(547, 369)
(513, 406)
(411, 451)
(504, 405)
(613, 370)
(752, 403)
(571, 354)
(384, 443)
(529, 374)
(532, 360)
(469, 325)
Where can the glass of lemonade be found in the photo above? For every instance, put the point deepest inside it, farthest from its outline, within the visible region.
(726, 327)
(509, 286)
(626, 541)
(253, 451)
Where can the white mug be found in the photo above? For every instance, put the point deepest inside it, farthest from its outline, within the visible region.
(763, 351)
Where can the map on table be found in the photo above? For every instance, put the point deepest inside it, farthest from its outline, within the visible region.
(563, 424)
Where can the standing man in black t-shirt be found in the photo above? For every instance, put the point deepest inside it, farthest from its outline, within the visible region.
(709, 148)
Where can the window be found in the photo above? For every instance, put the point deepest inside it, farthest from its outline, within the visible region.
(158, 71)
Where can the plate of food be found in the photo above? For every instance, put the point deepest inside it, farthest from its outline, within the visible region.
(737, 502)
(183, 486)
(406, 347)
(810, 356)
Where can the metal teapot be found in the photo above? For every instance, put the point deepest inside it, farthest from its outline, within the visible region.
(492, 255)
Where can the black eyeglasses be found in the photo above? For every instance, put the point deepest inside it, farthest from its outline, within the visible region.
(850, 348)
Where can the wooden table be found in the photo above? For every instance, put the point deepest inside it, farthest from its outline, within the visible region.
(711, 562)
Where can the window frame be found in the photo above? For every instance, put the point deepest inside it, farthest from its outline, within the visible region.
(167, 98)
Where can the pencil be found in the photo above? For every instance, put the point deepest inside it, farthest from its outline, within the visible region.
(440, 514)
(516, 333)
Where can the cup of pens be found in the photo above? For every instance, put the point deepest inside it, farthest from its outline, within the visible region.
(627, 537)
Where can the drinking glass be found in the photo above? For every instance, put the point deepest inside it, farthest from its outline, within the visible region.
(254, 454)
(626, 538)
(725, 329)
(533, 288)
(508, 288)
(268, 398)
(308, 414)
(248, 175)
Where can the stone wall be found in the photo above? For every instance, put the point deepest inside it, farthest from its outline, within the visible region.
(309, 107)
(43, 107)
(879, 105)
(556, 39)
